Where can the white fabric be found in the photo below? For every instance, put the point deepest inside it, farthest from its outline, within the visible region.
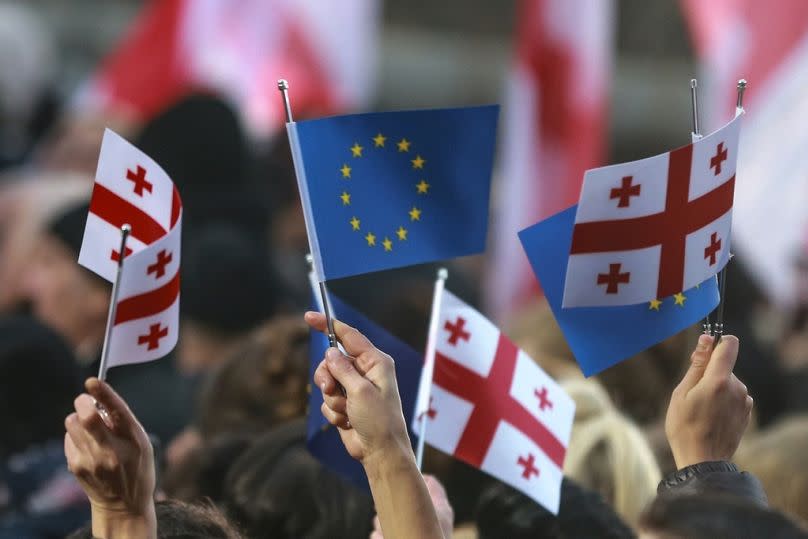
(124, 343)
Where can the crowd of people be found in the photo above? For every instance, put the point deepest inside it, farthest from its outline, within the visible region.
(211, 441)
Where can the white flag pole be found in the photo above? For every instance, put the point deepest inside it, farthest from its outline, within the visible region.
(425, 387)
(113, 303)
(722, 277)
(695, 135)
(283, 87)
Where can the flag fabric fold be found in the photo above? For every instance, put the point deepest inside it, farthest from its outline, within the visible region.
(392, 189)
(652, 228)
(600, 337)
(493, 407)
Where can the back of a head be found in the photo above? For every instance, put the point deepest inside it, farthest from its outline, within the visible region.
(714, 517)
(277, 489)
(179, 520)
(608, 453)
(505, 512)
(39, 378)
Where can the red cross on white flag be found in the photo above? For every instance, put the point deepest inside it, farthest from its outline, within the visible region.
(130, 188)
(652, 228)
(494, 408)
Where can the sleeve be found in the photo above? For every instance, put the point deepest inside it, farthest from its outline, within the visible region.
(716, 477)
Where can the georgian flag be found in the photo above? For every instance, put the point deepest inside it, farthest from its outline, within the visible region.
(493, 407)
(130, 188)
(651, 228)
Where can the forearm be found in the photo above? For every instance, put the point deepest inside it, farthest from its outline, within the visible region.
(402, 500)
(122, 525)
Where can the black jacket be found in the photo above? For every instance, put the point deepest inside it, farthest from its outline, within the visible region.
(716, 477)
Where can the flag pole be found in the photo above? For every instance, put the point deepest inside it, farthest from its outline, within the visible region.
(113, 303)
(429, 363)
(722, 276)
(283, 87)
(694, 136)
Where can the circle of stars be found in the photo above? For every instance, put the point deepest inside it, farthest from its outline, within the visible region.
(678, 299)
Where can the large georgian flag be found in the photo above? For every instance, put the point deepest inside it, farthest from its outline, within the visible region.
(130, 188)
(493, 407)
(649, 229)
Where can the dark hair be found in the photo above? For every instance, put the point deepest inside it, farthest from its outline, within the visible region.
(278, 489)
(180, 520)
(39, 378)
(716, 517)
(505, 512)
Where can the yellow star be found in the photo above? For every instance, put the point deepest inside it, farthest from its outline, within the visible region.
(378, 140)
(402, 233)
(354, 223)
(371, 239)
(403, 145)
(346, 171)
(415, 214)
(422, 187)
(356, 149)
(388, 245)
(654, 305)
(418, 162)
(679, 299)
(346, 198)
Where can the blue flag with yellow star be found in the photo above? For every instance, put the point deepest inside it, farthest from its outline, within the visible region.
(391, 189)
(600, 337)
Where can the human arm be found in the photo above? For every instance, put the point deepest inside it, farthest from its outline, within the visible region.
(113, 460)
(372, 428)
(440, 501)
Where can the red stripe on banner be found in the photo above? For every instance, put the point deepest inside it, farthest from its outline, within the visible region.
(668, 229)
(492, 403)
(150, 303)
(117, 211)
(176, 207)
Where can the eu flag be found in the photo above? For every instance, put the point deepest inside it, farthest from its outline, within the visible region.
(600, 337)
(391, 189)
(322, 439)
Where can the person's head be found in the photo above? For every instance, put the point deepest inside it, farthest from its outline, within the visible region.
(714, 517)
(278, 489)
(778, 456)
(261, 385)
(228, 289)
(179, 520)
(608, 453)
(39, 379)
(503, 511)
(64, 295)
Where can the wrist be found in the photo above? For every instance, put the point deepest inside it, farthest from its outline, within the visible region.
(108, 523)
(388, 459)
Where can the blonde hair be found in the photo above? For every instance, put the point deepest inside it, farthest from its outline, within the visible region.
(778, 456)
(608, 453)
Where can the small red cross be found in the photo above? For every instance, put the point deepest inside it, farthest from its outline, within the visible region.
(712, 250)
(625, 192)
(432, 412)
(529, 465)
(140, 180)
(544, 402)
(614, 278)
(457, 331)
(115, 255)
(719, 157)
(154, 336)
(159, 267)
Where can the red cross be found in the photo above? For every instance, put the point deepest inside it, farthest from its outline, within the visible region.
(625, 192)
(528, 465)
(140, 180)
(544, 402)
(457, 331)
(614, 278)
(712, 250)
(719, 157)
(432, 412)
(115, 255)
(159, 267)
(492, 403)
(154, 336)
(668, 228)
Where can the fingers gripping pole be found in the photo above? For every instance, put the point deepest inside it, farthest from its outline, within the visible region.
(113, 303)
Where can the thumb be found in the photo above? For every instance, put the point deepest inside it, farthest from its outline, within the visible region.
(343, 370)
(699, 360)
